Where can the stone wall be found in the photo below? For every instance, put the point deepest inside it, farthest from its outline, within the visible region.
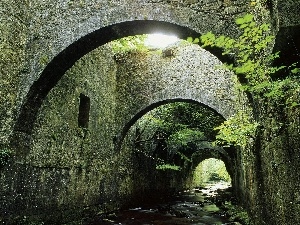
(56, 25)
(13, 28)
(69, 165)
(288, 13)
(69, 161)
(59, 33)
(182, 72)
(189, 73)
(66, 165)
(270, 167)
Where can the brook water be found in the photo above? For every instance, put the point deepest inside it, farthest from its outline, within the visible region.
(193, 207)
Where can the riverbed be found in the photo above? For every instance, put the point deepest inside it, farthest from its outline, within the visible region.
(198, 206)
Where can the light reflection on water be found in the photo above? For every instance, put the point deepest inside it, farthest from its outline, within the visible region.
(190, 207)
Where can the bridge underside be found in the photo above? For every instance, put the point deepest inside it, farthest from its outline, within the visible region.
(75, 104)
(70, 138)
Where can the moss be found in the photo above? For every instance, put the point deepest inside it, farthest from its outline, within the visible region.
(5, 156)
(44, 60)
(271, 165)
(237, 214)
(13, 29)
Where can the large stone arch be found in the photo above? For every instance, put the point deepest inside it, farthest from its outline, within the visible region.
(59, 36)
(202, 150)
(56, 68)
(61, 33)
(214, 87)
(123, 132)
(51, 54)
(192, 74)
(56, 26)
(52, 27)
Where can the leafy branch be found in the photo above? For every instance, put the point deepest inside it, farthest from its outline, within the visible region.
(236, 130)
(253, 62)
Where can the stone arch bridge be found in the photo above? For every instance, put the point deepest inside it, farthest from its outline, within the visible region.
(74, 102)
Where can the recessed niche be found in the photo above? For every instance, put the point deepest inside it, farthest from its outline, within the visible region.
(84, 111)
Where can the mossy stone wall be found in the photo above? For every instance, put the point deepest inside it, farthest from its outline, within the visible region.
(270, 168)
(187, 72)
(182, 72)
(288, 13)
(13, 29)
(68, 167)
(53, 26)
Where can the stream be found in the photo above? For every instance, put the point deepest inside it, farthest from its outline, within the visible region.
(192, 207)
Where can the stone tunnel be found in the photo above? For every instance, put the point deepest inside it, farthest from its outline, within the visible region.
(70, 103)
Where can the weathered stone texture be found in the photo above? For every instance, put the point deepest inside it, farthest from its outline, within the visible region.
(50, 27)
(66, 163)
(13, 34)
(57, 122)
(65, 167)
(56, 25)
(271, 168)
(190, 73)
(288, 12)
(73, 167)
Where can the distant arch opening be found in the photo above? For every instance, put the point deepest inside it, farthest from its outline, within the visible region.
(157, 107)
(209, 171)
(171, 132)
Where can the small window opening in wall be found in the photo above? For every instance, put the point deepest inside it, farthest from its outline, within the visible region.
(84, 111)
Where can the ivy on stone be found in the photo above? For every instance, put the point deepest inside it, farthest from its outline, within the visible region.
(236, 130)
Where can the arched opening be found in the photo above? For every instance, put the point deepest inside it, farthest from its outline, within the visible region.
(153, 106)
(66, 127)
(211, 171)
(67, 58)
(169, 139)
(171, 145)
(56, 68)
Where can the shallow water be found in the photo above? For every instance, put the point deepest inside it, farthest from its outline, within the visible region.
(192, 207)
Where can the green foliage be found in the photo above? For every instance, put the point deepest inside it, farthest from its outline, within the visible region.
(168, 167)
(237, 214)
(253, 63)
(189, 117)
(130, 43)
(80, 3)
(223, 174)
(210, 170)
(236, 130)
(182, 137)
(194, 41)
(185, 119)
(5, 155)
(173, 128)
(249, 51)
